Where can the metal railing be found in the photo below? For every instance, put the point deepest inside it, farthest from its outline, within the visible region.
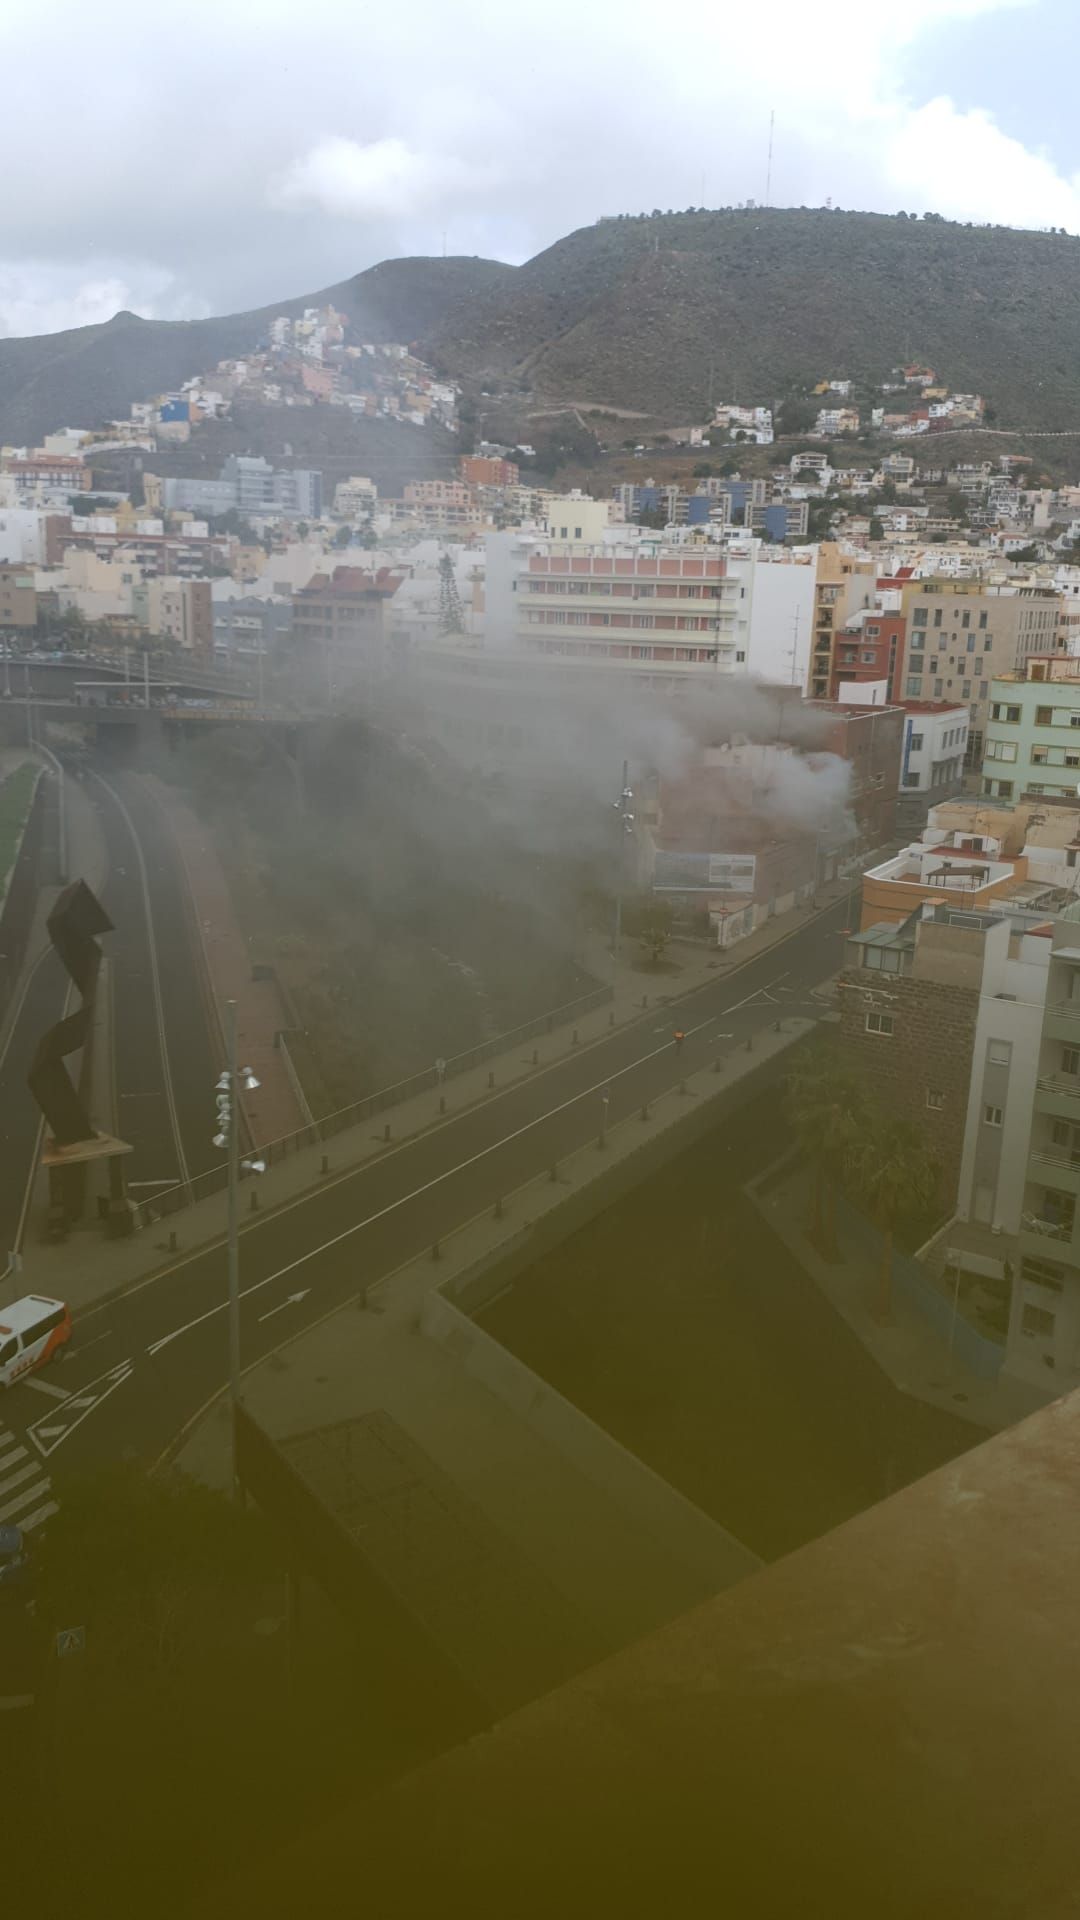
(273, 1152)
(1067, 1083)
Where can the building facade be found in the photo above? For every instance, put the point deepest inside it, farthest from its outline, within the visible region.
(1032, 741)
(961, 634)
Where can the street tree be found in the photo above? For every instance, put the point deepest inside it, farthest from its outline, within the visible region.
(826, 1105)
(894, 1176)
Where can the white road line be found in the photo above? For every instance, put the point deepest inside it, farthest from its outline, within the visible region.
(46, 1386)
(25, 1499)
(9, 1459)
(156, 981)
(427, 1187)
(13, 1480)
(31, 1520)
(56, 1436)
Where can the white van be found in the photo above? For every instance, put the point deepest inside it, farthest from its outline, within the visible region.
(32, 1331)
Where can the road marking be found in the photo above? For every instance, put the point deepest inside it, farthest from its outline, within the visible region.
(56, 1433)
(20, 1477)
(46, 1386)
(290, 1302)
(24, 1499)
(9, 1459)
(167, 1182)
(404, 1199)
(31, 1520)
(315, 1194)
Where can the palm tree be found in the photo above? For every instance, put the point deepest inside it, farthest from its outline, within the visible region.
(894, 1175)
(826, 1106)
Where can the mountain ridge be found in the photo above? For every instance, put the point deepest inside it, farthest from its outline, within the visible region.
(660, 312)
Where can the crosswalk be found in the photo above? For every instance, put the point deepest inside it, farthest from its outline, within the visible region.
(24, 1485)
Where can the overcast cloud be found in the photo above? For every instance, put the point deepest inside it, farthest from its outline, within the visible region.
(217, 157)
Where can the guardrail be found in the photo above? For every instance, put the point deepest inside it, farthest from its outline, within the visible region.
(174, 1199)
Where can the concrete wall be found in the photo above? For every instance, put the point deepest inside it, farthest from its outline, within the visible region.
(679, 1528)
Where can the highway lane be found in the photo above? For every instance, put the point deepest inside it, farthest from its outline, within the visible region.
(143, 1365)
(166, 1061)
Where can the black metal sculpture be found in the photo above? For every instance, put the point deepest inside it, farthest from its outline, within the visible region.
(74, 924)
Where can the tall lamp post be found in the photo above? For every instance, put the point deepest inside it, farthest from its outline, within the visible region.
(228, 1136)
(626, 828)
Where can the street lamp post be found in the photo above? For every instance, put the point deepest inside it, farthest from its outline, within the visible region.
(626, 827)
(228, 1136)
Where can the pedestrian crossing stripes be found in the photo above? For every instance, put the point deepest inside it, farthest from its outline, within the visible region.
(24, 1486)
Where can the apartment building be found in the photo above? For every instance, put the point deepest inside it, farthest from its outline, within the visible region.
(248, 484)
(1032, 742)
(962, 634)
(935, 748)
(479, 470)
(609, 602)
(869, 647)
(338, 618)
(870, 739)
(18, 600)
(845, 582)
(970, 1023)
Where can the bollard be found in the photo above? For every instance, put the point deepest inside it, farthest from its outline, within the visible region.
(436, 1251)
(491, 1079)
(498, 1213)
(442, 1103)
(324, 1165)
(172, 1240)
(536, 1057)
(386, 1131)
(645, 1110)
(574, 1038)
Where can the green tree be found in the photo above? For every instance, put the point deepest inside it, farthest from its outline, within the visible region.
(795, 415)
(826, 1106)
(651, 924)
(877, 530)
(895, 1178)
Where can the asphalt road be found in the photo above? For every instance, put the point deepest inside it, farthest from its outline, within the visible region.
(140, 1368)
(165, 1058)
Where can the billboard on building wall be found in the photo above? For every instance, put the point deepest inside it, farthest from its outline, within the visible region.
(704, 872)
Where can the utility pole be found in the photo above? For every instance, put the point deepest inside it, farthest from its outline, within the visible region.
(233, 1135)
(768, 170)
(146, 679)
(626, 828)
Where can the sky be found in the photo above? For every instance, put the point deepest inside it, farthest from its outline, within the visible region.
(205, 159)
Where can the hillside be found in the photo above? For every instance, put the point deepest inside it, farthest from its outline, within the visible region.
(633, 312)
(89, 374)
(654, 314)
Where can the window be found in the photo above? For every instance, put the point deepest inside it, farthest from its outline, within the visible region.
(965, 621)
(977, 666)
(41, 1327)
(937, 616)
(982, 623)
(8, 1351)
(872, 632)
(998, 1053)
(932, 668)
(1067, 1137)
(1070, 1060)
(914, 686)
(869, 658)
(879, 1023)
(918, 642)
(935, 1098)
(1042, 1273)
(939, 689)
(911, 779)
(916, 743)
(965, 691)
(991, 1116)
(1037, 1321)
(919, 617)
(1044, 716)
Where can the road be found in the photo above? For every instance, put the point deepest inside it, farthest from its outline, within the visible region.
(166, 1057)
(140, 1368)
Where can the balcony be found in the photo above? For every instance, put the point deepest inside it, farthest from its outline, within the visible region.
(1062, 1021)
(1051, 1165)
(1058, 1095)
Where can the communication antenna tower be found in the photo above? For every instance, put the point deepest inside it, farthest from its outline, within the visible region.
(768, 170)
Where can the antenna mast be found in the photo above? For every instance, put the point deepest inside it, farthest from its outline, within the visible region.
(768, 170)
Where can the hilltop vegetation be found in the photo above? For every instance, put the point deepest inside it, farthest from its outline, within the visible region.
(655, 313)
